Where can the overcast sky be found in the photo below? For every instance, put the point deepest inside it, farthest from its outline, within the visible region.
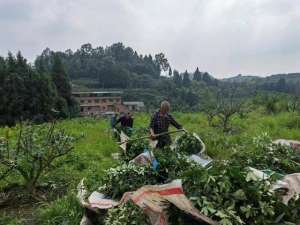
(223, 37)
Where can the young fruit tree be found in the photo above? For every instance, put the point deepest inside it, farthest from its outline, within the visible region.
(228, 104)
(33, 152)
(293, 104)
(211, 112)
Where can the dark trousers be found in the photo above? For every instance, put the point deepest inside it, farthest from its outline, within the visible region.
(163, 141)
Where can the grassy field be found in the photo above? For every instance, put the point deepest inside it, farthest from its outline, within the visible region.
(93, 154)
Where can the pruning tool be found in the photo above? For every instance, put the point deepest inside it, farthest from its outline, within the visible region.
(157, 135)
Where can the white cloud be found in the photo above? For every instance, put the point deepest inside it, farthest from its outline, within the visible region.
(220, 36)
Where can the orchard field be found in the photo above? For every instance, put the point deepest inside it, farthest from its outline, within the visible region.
(92, 155)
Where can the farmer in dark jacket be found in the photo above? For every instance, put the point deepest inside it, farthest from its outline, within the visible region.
(160, 123)
(113, 119)
(126, 121)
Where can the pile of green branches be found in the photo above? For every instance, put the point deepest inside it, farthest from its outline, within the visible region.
(225, 192)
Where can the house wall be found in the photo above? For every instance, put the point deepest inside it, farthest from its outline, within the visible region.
(91, 104)
(99, 105)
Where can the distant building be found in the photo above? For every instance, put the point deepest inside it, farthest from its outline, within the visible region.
(97, 103)
(103, 103)
(134, 106)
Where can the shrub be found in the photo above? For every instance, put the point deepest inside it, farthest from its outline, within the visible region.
(34, 152)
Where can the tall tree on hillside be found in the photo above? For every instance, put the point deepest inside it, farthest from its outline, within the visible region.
(197, 75)
(281, 85)
(162, 62)
(21, 63)
(11, 63)
(44, 62)
(63, 87)
(170, 72)
(2, 69)
(177, 78)
(186, 79)
(207, 78)
(60, 78)
(86, 49)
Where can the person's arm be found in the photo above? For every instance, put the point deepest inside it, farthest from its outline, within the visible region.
(151, 126)
(118, 121)
(174, 122)
(113, 121)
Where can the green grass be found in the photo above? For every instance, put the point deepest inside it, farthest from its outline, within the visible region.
(9, 220)
(65, 210)
(92, 153)
(219, 145)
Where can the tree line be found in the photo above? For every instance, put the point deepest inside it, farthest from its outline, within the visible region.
(120, 67)
(117, 66)
(43, 91)
(27, 93)
(142, 77)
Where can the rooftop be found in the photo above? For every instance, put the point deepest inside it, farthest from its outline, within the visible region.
(97, 92)
(134, 103)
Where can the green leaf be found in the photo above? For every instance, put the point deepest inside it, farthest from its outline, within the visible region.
(240, 195)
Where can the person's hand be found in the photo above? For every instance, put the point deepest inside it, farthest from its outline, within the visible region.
(152, 136)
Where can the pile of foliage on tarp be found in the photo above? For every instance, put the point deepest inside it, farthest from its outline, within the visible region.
(128, 213)
(188, 144)
(133, 147)
(226, 192)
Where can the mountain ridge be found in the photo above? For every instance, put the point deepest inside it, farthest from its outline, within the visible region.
(289, 77)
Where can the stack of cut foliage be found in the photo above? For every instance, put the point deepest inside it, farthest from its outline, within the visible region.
(227, 192)
(134, 148)
(188, 144)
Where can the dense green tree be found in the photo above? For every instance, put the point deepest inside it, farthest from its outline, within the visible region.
(177, 78)
(27, 93)
(162, 62)
(197, 75)
(281, 85)
(65, 104)
(170, 72)
(206, 78)
(186, 79)
(61, 79)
